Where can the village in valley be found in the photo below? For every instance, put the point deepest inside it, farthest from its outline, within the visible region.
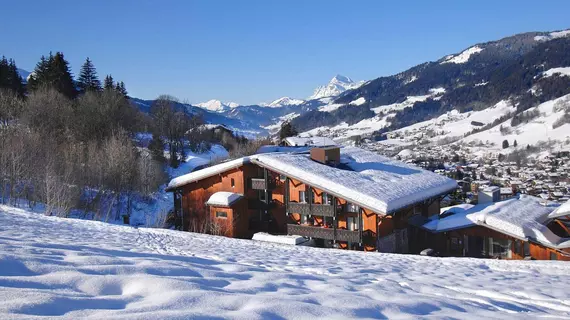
(542, 174)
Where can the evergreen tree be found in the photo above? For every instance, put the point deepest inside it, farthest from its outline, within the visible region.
(515, 144)
(88, 80)
(16, 81)
(121, 89)
(287, 130)
(505, 144)
(109, 83)
(10, 77)
(53, 72)
(4, 69)
(40, 74)
(63, 80)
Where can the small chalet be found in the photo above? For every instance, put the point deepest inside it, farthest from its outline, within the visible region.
(340, 197)
(522, 227)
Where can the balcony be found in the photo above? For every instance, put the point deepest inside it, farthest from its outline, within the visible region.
(323, 233)
(323, 210)
(259, 184)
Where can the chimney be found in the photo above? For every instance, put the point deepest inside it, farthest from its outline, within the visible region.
(328, 155)
(489, 194)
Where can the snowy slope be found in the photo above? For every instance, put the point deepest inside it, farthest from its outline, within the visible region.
(463, 56)
(456, 127)
(364, 127)
(75, 269)
(562, 71)
(537, 130)
(336, 86)
(553, 35)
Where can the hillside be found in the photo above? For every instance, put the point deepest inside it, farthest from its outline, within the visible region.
(526, 69)
(78, 269)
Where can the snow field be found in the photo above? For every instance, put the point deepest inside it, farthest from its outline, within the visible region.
(84, 269)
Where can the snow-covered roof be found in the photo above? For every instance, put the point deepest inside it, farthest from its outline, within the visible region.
(223, 199)
(365, 178)
(522, 217)
(310, 141)
(205, 173)
(563, 210)
(368, 179)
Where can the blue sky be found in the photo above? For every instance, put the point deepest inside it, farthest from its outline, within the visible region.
(255, 51)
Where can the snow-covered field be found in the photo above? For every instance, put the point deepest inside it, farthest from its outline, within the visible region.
(86, 269)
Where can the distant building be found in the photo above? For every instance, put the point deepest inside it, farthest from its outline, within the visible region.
(522, 227)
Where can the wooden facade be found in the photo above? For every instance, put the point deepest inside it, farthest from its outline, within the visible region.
(482, 242)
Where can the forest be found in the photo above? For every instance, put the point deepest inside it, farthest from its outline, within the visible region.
(75, 144)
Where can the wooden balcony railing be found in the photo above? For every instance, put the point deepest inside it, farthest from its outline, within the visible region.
(324, 210)
(259, 184)
(323, 233)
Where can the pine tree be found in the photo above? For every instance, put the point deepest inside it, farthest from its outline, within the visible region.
(4, 70)
(505, 144)
(53, 72)
(121, 88)
(10, 77)
(41, 73)
(109, 83)
(88, 80)
(16, 81)
(287, 130)
(63, 80)
(515, 144)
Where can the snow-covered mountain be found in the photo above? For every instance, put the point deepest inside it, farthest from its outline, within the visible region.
(284, 101)
(335, 87)
(217, 105)
(525, 70)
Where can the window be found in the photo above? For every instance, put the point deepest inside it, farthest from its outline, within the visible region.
(221, 214)
(327, 198)
(518, 247)
(351, 207)
(262, 195)
(526, 249)
(553, 256)
(282, 177)
(500, 248)
(328, 222)
(233, 182)
(302, 197)
(352, 223)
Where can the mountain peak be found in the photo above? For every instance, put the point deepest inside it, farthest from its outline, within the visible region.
(336, 86)
(217, 105)
(284, 101)
(341, 78)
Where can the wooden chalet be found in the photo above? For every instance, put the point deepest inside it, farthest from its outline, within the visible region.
(340, 197)
(522, 227)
